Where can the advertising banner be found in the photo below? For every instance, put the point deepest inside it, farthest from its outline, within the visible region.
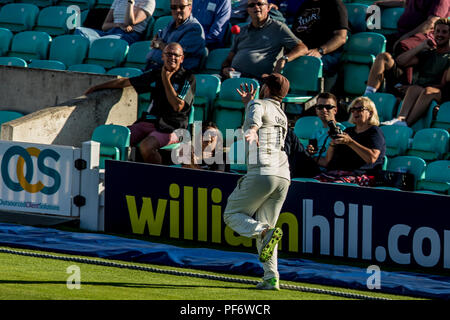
(37, 178)
(319, 219)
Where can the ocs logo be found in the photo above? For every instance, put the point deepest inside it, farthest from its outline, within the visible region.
(24, 177)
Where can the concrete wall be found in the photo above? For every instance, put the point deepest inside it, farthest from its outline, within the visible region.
(40, 93)
(27, 90)
(73, 122)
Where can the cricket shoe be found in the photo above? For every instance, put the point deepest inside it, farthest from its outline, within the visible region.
(272, 237)
(269, 284)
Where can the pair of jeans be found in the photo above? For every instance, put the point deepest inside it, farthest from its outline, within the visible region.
(114, 33)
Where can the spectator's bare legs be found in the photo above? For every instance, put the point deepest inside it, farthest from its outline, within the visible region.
(149, 150)
(383, 62)
(422, 104)
(411, 96)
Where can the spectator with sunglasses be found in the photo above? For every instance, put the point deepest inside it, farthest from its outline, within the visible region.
(309, 162)
(359, 148)
(263, 46)
(186, 30)
(326, 110)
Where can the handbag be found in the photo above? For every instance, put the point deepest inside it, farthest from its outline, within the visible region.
(395, 179)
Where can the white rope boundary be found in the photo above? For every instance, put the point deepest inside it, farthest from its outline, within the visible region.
(348, 295)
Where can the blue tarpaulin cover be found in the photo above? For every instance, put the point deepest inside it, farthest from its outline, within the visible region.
(301, 270)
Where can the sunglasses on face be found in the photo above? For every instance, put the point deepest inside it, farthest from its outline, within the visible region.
(254, 4)
(357, 109)
(171, 54)
(325, 106)
(181, 7)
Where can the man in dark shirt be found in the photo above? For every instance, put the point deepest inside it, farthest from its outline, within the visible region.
(172, 93)
(322, 26)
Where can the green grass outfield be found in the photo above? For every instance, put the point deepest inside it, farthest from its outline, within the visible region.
(34, 278)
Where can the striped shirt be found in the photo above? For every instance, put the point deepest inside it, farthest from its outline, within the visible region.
(120, 7)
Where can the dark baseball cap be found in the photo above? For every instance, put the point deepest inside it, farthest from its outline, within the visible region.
(277, 83)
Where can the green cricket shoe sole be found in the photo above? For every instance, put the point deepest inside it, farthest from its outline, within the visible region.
(271, 239)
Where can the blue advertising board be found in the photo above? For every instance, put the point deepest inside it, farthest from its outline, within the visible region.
(318, 219)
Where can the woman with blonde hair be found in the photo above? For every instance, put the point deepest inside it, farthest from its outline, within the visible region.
(358, 148)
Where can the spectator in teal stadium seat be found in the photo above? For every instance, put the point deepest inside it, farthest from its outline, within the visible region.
(127, 20)
(184, 29)
(256, 50)
(432, 63)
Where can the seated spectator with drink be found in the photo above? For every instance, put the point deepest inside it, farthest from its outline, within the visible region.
(262, 47)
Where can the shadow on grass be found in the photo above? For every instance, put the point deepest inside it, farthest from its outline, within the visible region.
(120, 284)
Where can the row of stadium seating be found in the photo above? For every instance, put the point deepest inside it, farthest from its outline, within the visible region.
(30, 14)
(429, 177)
(359, 53)
(162, 6)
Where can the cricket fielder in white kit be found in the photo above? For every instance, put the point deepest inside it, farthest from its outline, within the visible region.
(254, 206)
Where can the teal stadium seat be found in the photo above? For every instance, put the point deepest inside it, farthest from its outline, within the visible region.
(437, 177)
(114, 142)
(137, 53)
(305, 127)
(18, 17)
(161, 22)
(430, 144)
(359, 54)
(206, 91)
(385, 103)
(215, 59)
(125, 72)
(162, 8)
(87, 67)
(6, 116)
(304, 75)
(53, 20)
(30, 45)
(442, 117)
(414, 165)
(39, 3)
(228, 109)
(13, 61)
(385, 163)
(174, 146)
(107, 52)
(69, 49)
(357, 16)
(389, 19)
(149, 29)
(47, 64)
(397, 139)
(82, 4)
(5, 40)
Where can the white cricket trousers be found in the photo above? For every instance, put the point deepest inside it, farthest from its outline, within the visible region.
(254, 205)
